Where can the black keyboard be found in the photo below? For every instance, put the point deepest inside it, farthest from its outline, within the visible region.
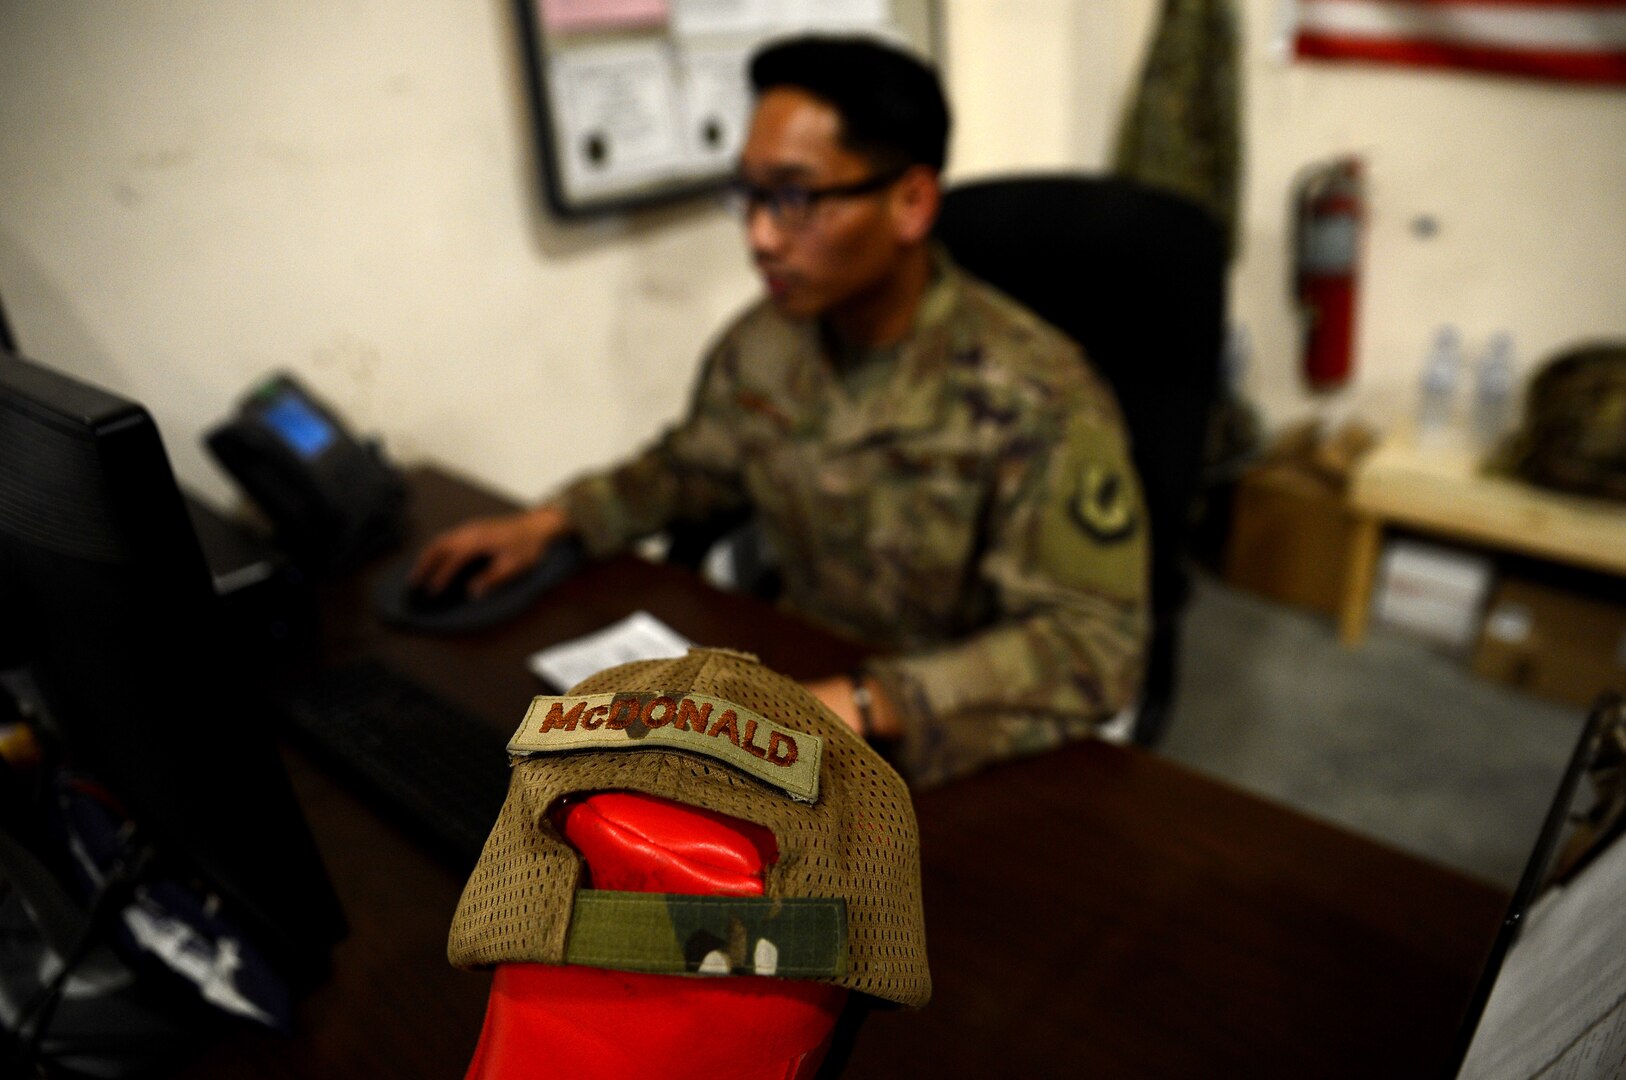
(438, 770)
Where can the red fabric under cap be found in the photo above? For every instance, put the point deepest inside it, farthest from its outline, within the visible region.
(555, 1021)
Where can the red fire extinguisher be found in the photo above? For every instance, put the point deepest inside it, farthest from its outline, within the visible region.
(1329, 205)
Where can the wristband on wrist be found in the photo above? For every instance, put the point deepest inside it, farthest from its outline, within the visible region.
(865, 701)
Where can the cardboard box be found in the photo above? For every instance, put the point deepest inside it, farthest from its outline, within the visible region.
(1553, 642)
(1433, 592)
(1290, 537)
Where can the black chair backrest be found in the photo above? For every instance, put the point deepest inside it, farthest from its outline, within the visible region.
(7, 342)
(1136, 276)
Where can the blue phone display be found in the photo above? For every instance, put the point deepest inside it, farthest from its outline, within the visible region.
(298, 425)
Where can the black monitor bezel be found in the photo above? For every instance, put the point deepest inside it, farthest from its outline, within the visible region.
(192, 756)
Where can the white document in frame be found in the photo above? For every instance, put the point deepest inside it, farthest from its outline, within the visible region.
(714, 18)
(616, 115)
(835, 15)
(640, 636)
(716, 105)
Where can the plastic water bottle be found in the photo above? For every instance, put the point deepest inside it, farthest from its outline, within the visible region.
(1494, 402)
(1439, 387)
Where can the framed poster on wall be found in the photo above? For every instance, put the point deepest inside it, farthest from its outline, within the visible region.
(637, 102)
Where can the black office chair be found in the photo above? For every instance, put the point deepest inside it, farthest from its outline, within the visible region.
(7, 342)
(1137, 276)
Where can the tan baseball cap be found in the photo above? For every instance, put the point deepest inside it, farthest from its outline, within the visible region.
(714, 729)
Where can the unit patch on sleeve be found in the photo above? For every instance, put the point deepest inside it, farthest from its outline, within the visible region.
(1103, 502)
(1092, 528)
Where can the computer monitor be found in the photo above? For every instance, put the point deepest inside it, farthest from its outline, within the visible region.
(109, 607)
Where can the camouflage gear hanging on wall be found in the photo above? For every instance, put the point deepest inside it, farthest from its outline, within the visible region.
(1182, 132)
(975, 511)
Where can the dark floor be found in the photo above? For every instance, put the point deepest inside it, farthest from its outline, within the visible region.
(1393, 739)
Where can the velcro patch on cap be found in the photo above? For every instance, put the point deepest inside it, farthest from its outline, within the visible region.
(670, 934)
(738, 737)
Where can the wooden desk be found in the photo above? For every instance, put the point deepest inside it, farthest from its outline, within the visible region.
(1096, 911)
(1441, 491)
(1102, 912)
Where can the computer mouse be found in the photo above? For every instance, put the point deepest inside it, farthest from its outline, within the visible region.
(453, 610)
(423, 600)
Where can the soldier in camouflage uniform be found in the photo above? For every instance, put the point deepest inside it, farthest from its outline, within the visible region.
(941, 473)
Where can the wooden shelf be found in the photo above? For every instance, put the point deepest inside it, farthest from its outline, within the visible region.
(1444, 492)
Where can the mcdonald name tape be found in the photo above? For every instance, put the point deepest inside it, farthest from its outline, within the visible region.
(737, 737)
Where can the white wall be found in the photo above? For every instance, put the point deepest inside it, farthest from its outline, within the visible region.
(1040, 84)
(192, 194)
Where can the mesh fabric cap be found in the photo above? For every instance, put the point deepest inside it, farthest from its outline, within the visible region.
(857, 842)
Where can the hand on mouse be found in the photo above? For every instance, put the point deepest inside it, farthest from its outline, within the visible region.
(512, 543)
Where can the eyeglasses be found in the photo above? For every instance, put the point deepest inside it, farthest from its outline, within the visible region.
(791, 205)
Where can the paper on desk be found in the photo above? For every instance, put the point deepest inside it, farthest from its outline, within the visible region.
(640, 636)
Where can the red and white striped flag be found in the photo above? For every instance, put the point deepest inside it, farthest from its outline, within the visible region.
(1580, 40)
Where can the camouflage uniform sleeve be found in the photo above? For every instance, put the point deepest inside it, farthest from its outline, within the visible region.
(1069, 567)
(689, 473)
